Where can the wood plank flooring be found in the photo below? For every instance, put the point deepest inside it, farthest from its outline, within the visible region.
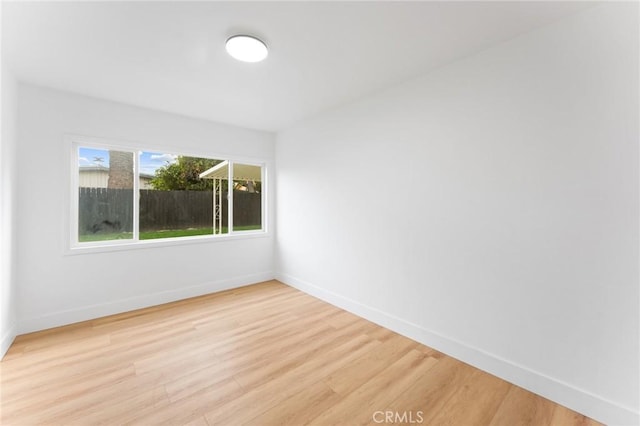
(264, 354)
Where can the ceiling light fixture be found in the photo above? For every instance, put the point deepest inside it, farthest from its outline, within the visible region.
(246, 48)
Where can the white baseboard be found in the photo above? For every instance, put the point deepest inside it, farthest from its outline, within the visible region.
(85, 313)
(7, 339)
(579, 400)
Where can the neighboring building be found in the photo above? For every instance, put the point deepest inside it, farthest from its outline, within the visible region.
(98, 177)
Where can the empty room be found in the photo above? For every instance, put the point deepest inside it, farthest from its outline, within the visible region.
(323, 212)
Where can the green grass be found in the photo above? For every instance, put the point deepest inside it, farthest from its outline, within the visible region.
(85, 238)
(152, 235)
(174, 233)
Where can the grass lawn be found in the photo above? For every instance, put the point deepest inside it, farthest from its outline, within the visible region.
(151, 235)
(173, 233)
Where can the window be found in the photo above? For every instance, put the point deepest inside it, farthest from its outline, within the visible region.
(105, 196)
(246, 195)
(178, 203)
(247, 212)
(123, 196)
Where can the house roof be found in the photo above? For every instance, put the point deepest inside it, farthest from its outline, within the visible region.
(240, 172)
(93, 169)
(106, 170)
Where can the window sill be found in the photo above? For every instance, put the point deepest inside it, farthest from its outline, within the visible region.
(161, 242)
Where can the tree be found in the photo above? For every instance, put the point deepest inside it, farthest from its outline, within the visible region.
(184, 174)
(120, 170)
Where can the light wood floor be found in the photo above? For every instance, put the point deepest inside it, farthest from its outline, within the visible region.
(260, 355)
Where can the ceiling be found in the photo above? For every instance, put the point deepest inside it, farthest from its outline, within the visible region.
(170, 56)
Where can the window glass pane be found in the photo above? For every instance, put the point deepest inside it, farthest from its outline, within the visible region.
(247, 197)
(174, 200)
(105, 194)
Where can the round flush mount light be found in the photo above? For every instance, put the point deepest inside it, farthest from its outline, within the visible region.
(246, 48)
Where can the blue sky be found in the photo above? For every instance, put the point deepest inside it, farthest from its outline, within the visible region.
(149, 161)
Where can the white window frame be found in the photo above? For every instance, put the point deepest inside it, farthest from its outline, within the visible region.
(74, 142)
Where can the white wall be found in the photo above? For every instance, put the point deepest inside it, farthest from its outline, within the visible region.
(8, 287)
(56, 288)
(488, 209)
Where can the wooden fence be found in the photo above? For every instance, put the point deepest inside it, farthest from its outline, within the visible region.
(105, 210)
(175, 209)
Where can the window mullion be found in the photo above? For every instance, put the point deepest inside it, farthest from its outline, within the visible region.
(136, 196)
(230, 199)
(263, 198)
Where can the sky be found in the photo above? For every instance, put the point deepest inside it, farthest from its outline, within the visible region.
(149, 161)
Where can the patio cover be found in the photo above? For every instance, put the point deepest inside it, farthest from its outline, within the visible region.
(220, 172)
(240, 172)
